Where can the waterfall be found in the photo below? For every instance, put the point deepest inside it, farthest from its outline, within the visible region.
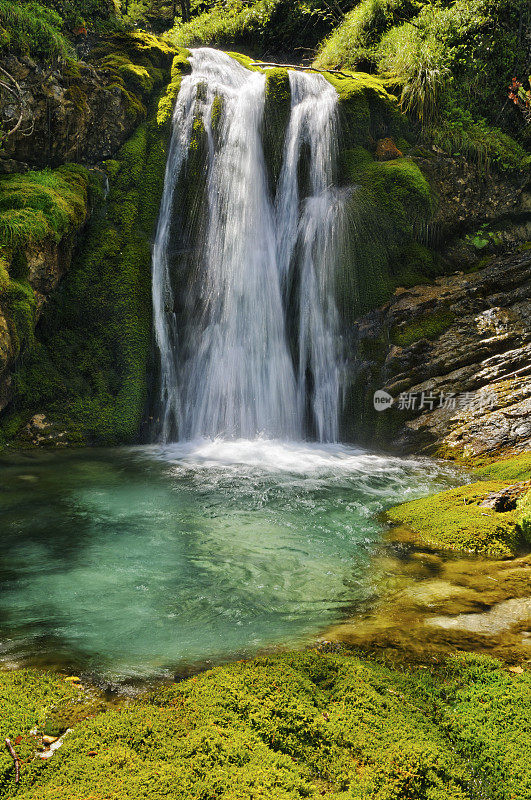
(255, 350)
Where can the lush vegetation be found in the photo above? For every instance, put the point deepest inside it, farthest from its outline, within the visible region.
(451, 63)
(32, 29)
(297, 725)
(273, 25)
(35, 208)
(88, 367)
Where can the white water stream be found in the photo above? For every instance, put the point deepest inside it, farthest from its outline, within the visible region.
(261, 266)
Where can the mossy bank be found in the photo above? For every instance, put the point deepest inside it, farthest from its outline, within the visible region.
(306, 724)
(492, 515)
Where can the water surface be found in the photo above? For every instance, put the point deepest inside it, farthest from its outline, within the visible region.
(136, 562)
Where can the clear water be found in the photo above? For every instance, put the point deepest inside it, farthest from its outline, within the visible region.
(138, 562)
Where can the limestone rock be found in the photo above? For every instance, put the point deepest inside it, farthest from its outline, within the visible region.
(456, 357)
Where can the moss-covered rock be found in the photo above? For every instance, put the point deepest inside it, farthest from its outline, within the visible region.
(431, 326)
(367, 110)
(87, 369)
(180, 66)
(40, 212)
(276, 119)
(389, 207)
(458, 519)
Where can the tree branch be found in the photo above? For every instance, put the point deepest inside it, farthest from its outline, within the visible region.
(15, 759)
(17, 92)
(301, 69)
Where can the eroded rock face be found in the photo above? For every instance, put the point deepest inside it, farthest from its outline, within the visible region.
(467, 198)
(456, 358)
(82, 112)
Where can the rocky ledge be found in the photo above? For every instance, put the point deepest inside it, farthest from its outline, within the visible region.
(455, 357)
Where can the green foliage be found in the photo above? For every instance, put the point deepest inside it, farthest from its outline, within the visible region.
(458, 133)
(451, 63)
(455, 520)
(260, 23)
(353, 43)
(225, 23)
(32, 29)
(293, 726)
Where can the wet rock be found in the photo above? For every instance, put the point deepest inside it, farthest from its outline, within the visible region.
(502, 617)
(456, 358)
(506, 499)
(386, 150)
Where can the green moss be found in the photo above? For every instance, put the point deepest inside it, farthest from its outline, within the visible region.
(35, 208)
(517, 468)
(136, 77)
(389, 207)
(40, 205)
(26, 697)
(297, 725)
(180, 66)
(430, 326)
(19, 305)
(277, 111)
(88, 368)
(137, 63)
(367, 110)
(216, 118)
(246, 61)
(455, 520)
(77, 96)
(524, 516)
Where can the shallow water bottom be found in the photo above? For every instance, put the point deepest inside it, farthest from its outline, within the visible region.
(139, 562)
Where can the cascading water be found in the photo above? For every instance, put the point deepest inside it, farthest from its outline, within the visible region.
(257, 351)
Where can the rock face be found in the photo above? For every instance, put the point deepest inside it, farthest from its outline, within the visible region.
(84, 111)
(455, 357)
(77, 111)
(468, 199)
